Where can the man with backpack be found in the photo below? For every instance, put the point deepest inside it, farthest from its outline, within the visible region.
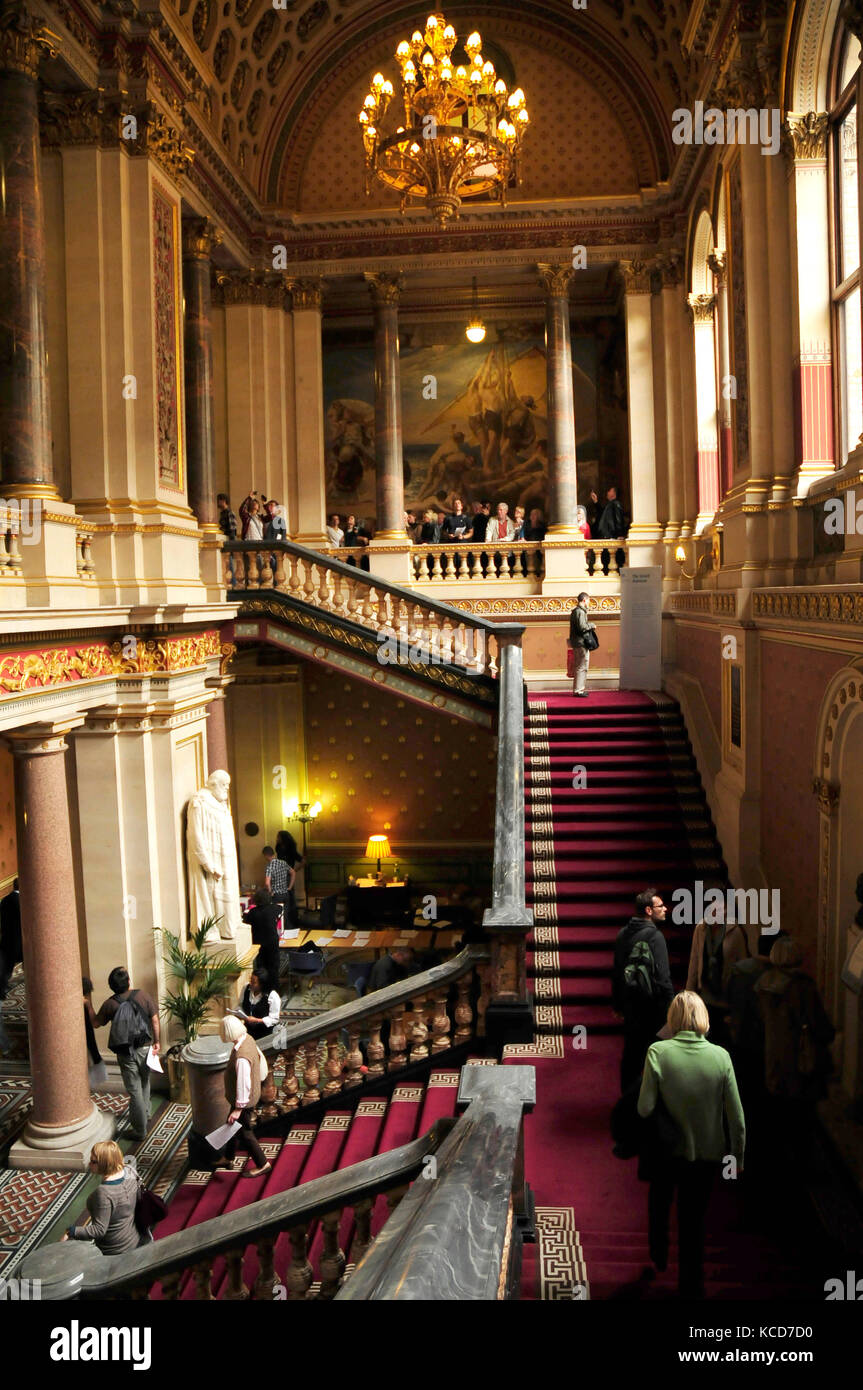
(641, 985)
(134, 1020)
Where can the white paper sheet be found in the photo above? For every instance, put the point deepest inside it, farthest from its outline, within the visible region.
(219, 1137)
(153, 1061)
(290, 934)
(343, 931)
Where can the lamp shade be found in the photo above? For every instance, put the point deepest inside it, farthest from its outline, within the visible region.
(378, 847)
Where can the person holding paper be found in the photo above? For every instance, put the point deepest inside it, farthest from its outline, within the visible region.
(243, 1091)
(261, 1005)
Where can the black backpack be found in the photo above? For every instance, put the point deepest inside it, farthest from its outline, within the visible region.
(639, 974)
(130, 1026)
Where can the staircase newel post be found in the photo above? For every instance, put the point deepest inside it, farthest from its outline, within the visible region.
(509, 1014)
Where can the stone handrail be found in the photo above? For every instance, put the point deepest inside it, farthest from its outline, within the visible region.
(297, 1048)
(451, 636)
(78, 1269)
(456, 1237)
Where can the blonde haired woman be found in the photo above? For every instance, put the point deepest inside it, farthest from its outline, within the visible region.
(694, 1081)
(243, 1091)
(112, 1206)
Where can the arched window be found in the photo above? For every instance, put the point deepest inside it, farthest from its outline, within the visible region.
(845, 246)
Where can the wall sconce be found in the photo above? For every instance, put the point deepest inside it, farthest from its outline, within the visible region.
(680, 557)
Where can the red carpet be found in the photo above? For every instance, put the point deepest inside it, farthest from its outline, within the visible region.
(639, 820)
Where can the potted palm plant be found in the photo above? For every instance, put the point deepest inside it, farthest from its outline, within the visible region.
(201, 979)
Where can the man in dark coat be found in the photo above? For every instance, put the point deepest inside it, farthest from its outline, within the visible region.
(392, 968)
(11, 949)
(642, 1018)
(612, 522)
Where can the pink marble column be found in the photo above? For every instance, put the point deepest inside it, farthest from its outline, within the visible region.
(64, 1123)
(389, 464)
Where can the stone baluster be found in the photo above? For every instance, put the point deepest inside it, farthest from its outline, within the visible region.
(4, 556)
(463, 1011)
(367, 612)
(266, 1280)
(352, 601)
(491, 660)
(417, 562)
(440, 1023)
(14, 553)
(279, 575)
(293, 581)
(236, 1290)
(332, 1257)
(308, 582)
(247, 560)
(333, 1066)
(171, 1285)
(419, 1032)
(290, 1086)
(298, 1277)
(398, 1040)
(339, 595)
(460, 644)
(87, 547)
(446, 641)
(354, 1059)
(363, 1228)
(79, 555)
(382, 614)
(324, 600)
(311, 1074)
(376, 1050)
(203, 1281)
(436, 575)
(227, 573)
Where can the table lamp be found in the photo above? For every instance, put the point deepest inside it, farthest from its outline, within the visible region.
(378, 848)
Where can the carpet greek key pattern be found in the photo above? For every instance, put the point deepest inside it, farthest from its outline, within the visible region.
(442, 1078)
(545, 1046)
(545, 912)
(335, 1122)
(373, 1106)
(544, 868)
(562, 1271)
(547, 987)
(301, 1136)
(414, 1093)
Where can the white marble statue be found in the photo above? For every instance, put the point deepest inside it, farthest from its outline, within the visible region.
(211, 854)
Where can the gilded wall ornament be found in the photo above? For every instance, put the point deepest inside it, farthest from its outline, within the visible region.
(805, 137)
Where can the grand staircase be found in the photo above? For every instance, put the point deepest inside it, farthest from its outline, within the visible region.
(637, 819)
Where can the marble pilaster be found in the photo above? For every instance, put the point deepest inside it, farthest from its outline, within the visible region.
(309, 525)
(645, 533)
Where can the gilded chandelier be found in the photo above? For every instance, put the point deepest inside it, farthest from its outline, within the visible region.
(463, 129)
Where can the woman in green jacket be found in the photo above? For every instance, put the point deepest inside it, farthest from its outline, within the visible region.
(695, 1082)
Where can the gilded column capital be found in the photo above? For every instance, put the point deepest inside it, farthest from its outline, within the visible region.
(384, 289)
(251, 286)
(669, 266)
(828, 795)
(805, 136)
(24, 42)
(200, 238)
(555, 279)
(307, 294)
(702, 306)
(718, 263)
(636, 276)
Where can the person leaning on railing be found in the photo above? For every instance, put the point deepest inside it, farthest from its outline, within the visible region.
(111, 1226)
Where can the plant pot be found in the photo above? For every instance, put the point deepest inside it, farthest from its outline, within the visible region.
(178, 1081)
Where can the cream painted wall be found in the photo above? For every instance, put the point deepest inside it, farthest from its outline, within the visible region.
(55, 276)
(265, 733)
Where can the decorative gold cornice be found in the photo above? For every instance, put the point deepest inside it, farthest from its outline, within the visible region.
(307, 294)
(702, 306)
(537, 606)
(383, 288)
(828, 795)
(259, 287)
(29, 671)
(24, 42)
(636, 276)
(805, 137)
(200, 238)
(555, 279)
(809, 606)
